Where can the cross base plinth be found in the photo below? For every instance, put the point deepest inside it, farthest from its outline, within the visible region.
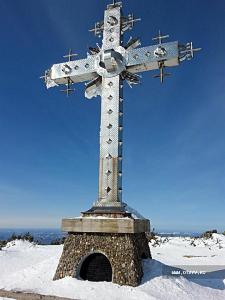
(115, 257)
(104, 248)
(103, 224)
(106, 211)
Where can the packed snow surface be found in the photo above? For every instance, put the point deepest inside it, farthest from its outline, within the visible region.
(28, 267)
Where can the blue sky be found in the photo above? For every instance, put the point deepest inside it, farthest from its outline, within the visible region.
(174, 145)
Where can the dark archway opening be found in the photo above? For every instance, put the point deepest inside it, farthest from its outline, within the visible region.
(96, 267)
(144, 256)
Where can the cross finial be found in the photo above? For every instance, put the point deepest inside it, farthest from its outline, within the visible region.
(114, 4)
(70, 55)
(187, 51)
(45, 77)
(162, 73)
(191, 50)
(160, 37)
(68, 89)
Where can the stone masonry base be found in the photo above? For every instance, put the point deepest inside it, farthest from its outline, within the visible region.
(123, 250)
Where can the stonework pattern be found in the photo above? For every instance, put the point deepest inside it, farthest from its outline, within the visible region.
(124, 251)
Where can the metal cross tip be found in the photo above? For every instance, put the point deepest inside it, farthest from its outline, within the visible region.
(191, 50)
(70, 55)
(187, 51)
(68, 89)
(160, 37)
(162, 73)
(114, 4)
(44, 76)
(128, 22)
(98, 29)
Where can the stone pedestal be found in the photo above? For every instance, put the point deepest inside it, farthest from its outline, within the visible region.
(109, 249)
(105, 225)
(102, 248)
(124, 252)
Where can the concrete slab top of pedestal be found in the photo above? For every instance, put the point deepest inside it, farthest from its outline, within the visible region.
(106, 225)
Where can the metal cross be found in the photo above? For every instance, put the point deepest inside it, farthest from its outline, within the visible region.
(68, 90)
(105, 69)
(70, 55)
(160, 37)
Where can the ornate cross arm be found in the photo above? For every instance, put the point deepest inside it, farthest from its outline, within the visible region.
(77, 71)
(148, 58)
(107, 63)
(158, 57)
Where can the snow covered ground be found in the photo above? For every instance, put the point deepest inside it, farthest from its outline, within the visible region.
(30, 268)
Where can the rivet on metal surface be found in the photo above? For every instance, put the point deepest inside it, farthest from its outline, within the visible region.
(121, 113)
(110, 83)
(109, 126)
(111, 39)
(148, 53)
(136, 56)
(87, 66)
(109, 141)
(110, 111)
(110, 97)
(120, 143)
(120, 128)
(108, 156)
(160, 51)
(108, 189)
(112, 20)
(76, 67)
(108, 172)
(66, 69)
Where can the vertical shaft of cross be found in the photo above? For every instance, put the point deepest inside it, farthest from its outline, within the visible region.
(110, 164)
